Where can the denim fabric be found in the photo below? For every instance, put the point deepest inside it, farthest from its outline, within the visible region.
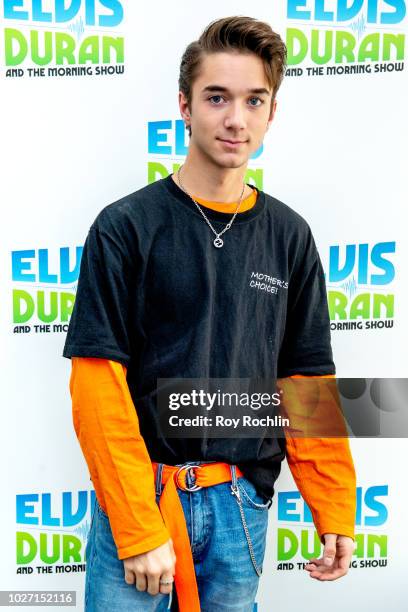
(226, 578)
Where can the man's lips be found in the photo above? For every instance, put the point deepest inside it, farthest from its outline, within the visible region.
(232, 142)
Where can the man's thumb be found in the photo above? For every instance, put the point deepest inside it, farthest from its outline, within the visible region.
(329, 551)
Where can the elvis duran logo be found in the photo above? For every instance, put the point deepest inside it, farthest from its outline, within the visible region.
(331, 37)
(52, 531)
(299, 540)
(168, 146)
(48, 38)
(358, 281)
(44, 288)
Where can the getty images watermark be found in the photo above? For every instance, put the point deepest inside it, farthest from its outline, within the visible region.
(277, 408)
(223, 401)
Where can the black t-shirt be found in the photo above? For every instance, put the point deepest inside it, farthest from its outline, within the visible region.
(156, 295)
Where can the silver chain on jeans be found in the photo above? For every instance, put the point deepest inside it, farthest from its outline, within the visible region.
(237, 494)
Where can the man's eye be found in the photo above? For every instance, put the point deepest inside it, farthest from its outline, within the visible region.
(217, 96)
(256, 98)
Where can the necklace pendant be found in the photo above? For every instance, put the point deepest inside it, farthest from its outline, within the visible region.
(218, 242)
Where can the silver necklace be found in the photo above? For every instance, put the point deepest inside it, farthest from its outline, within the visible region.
(218, 241)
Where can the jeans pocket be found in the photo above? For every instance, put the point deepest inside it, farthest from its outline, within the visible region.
(250, 495)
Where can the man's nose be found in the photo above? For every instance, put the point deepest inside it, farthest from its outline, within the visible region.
(235, 117)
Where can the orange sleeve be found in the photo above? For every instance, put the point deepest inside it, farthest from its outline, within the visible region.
(107, 427)
(324, 473)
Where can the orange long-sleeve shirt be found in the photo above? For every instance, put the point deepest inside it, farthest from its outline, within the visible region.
(322, 467)
(107, 427)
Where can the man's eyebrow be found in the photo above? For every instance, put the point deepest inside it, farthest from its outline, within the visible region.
(256, 90)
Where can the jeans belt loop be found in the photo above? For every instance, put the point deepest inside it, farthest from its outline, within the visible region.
(159, 478)
(234, 483)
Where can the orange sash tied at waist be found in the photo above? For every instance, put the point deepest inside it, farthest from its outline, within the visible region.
(206, 475)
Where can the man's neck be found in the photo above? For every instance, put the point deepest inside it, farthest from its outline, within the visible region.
(212, 183)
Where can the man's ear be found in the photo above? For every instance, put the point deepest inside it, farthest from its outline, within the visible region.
(271, 114)
(184, 109)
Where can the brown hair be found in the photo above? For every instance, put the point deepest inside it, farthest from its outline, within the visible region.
(242, 34)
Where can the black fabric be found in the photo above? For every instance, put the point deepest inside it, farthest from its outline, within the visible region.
(156, 295)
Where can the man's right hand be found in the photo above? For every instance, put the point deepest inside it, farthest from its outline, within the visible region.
(148, 568)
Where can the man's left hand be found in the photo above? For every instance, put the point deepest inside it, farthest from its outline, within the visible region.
(335, 562)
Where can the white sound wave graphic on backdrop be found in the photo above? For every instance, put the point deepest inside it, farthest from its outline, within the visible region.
(359, 26)
(77, 28)
(83, 530)
(350, 286)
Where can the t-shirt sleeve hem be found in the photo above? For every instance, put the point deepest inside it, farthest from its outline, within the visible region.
(307, 371)
(75, 350)
(144, 545)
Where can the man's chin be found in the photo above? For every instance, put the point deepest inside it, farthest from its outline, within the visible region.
(231, 161)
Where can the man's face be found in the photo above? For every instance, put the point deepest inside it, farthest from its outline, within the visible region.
(230, 109)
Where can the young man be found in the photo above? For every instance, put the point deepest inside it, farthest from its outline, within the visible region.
(167, 289)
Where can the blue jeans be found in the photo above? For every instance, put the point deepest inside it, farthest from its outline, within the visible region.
(226, 577)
